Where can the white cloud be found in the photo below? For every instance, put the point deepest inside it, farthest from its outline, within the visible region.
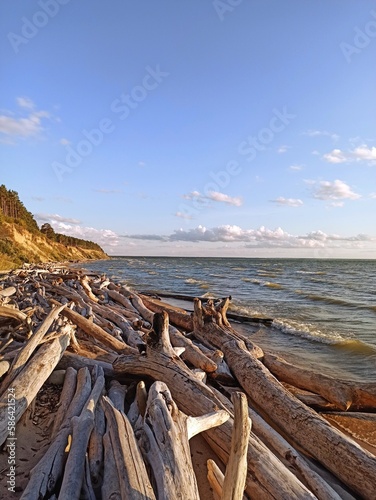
(322, 133)
(290, 202)
(183, 215)
(261, 237)
(359, 154)
(373, 196)
(72, 227)
(214, 196)
(336, 156)
(141, 164)
(55, 218)
(336, 190)
(25, 126)
(296, 168)
(282, 149)
(25, 102)
(64, 141)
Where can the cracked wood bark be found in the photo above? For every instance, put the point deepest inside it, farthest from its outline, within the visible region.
(131, 470)
(163, 437)
(27, 350)
(95, 449)
(283, 449)
(96, 331)
(111, 485)
(267, 477)
(81, 429)
(344, 394)
(236, 469)
(67, 393)
(31, 378)
(49, 470)
(342, 456)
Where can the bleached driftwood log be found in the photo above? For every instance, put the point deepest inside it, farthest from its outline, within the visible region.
(49, 470)
(236, 469)
(285, 451)
(66, 396)
(267, 477)
(81, 429)
(131, 470)
(31, 378)
(28, 349)
(163, 437)
(95, 331)
(344, 394)
(342, 456)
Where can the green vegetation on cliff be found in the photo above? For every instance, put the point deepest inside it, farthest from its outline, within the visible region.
(21, 240)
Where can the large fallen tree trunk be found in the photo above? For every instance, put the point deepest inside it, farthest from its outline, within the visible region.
(344, 394)
(348, 461)
(267, 477)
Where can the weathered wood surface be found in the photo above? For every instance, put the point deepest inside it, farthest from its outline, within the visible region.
(344, 394)
(236, 469)
(342, 456)
(31, 378)
(131, 470)
(267, 477)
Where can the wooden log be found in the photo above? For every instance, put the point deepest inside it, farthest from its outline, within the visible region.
(267, 477)
(163, 438)
(236, 469)
(8, 292)
(4, 367)
(96, 331)
(342, 456)
(111, 484)
(192, 353)
(67, 393)
(28, 349)
(309, 398)
(131, 470)
(95, 450)
(49, 470)
(85, 285)
(28, 382)
(215, 477)
(180, 319)
(117, 394)
(285, 451)
(344, 394)
(76, 361)
(10, 312)
(81, 427)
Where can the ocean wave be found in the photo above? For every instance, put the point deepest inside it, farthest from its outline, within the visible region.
(269, 284)
(335, 301)
(192, 281)
(357, 346)
(310, 272)
(307, 331)
(275, 286)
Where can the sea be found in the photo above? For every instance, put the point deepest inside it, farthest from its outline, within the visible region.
(323, 311)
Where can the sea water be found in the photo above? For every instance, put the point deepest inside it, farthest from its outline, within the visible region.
(324, 311)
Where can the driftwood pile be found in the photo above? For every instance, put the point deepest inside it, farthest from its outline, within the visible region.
(187, 374)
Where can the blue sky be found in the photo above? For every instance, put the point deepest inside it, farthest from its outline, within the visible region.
(234, 128)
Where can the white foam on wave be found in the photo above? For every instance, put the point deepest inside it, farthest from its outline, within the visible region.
(308, 331)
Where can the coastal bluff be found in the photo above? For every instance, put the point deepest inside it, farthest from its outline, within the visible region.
(22, 241)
